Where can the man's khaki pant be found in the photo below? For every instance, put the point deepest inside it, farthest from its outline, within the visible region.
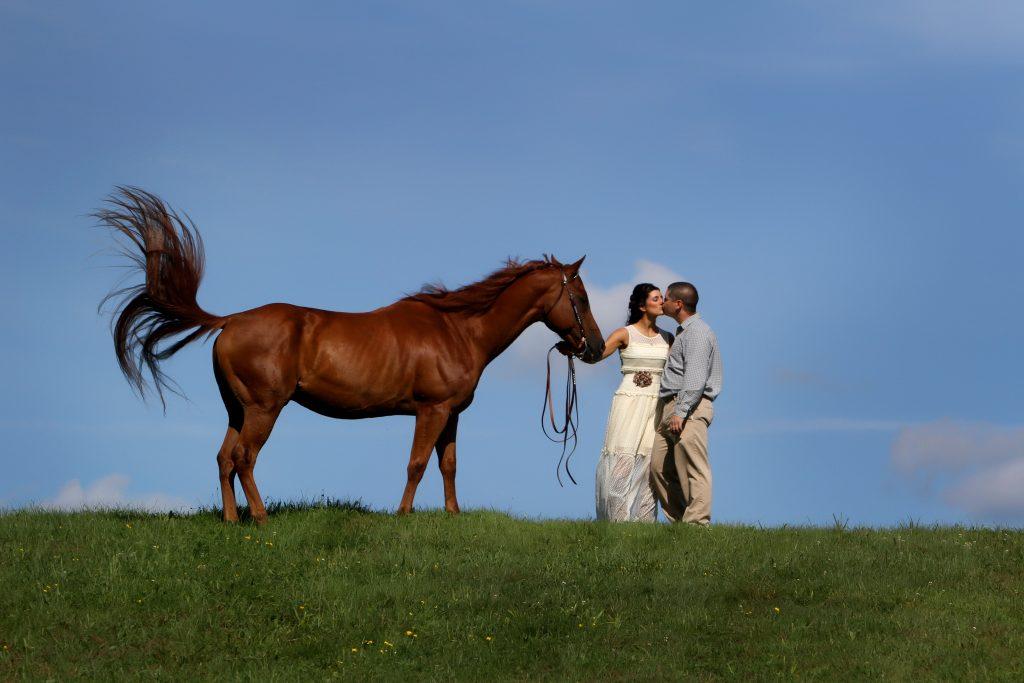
(680, 470)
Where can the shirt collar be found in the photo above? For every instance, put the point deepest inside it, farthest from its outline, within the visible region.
(686, 323)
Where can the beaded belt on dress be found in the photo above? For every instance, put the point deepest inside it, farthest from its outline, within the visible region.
(642, 377)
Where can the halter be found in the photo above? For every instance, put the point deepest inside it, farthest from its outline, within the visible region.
(572, 304)
(572, 410)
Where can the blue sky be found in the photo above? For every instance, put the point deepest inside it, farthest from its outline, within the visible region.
(842, 182)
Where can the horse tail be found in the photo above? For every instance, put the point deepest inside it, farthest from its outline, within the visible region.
(167, 249)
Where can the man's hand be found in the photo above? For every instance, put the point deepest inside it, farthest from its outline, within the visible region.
(675, 425)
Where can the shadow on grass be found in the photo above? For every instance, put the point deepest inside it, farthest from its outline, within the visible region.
(278, 507)
(131, 514)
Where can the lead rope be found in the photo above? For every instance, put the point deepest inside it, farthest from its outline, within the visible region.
(572, 417)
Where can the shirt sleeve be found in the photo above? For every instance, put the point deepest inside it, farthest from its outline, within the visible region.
(697, 352)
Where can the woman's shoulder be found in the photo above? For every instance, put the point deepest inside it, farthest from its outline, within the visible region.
(667, 336)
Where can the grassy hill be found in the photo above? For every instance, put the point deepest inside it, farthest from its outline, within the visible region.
(336, 591)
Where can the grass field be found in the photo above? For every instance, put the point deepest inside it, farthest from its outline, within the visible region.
(336, 591)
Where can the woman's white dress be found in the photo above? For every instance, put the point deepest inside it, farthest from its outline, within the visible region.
(623, 489)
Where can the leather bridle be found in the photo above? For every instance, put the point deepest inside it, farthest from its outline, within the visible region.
(572, 304)
(571, 414)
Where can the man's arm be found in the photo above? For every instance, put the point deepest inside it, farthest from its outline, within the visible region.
(697, 351)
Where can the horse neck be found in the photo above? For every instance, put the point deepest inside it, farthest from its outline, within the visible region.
(515, 309)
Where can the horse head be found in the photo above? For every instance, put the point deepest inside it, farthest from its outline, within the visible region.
(570, 316)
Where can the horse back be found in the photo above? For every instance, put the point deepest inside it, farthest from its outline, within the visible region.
(340, 364)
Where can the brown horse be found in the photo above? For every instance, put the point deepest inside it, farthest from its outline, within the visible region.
(422, 355)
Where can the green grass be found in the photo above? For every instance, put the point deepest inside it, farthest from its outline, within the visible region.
(337, 591)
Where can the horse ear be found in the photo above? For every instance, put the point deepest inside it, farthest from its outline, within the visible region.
(575, 267)
(553, 260)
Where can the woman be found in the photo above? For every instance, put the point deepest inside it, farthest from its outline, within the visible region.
(623, 490)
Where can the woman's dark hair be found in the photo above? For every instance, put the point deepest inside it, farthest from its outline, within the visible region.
(637, 299)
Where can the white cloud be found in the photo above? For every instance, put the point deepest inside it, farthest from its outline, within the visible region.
(109, 492)
(980, 466)
(996, 491)
(987, 29)
(947, 445)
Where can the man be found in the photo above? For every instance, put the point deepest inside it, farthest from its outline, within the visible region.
(680, 469)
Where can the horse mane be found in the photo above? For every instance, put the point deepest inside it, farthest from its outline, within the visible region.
(479, 296)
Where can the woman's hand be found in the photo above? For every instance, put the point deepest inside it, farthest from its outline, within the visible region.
(565, 348)
(618, 339)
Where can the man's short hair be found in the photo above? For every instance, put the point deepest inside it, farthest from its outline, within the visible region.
(686, 293)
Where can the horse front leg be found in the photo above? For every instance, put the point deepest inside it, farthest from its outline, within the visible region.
(430, 421)
(446, 461)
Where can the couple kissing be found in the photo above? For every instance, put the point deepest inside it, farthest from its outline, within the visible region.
(655, 448)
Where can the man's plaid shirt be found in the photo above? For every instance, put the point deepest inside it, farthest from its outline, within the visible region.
(694, 367)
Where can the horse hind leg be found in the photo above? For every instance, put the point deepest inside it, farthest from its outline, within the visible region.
(255, 431)
(446, 462)
(225, 458)
(226, 469)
